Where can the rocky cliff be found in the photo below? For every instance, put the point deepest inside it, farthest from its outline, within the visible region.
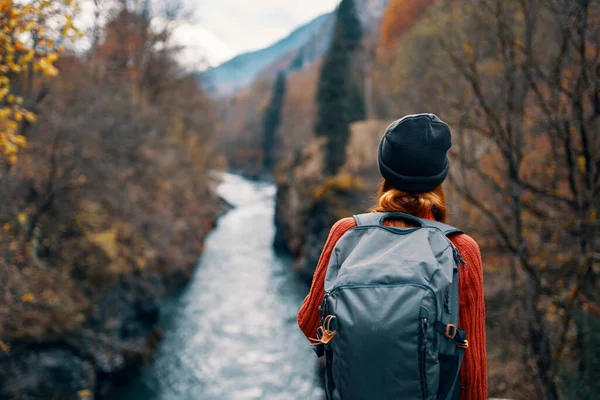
(309, 204)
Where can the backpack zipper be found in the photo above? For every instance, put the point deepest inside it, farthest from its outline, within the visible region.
(423, 322)
(367, 285)
(423, 356)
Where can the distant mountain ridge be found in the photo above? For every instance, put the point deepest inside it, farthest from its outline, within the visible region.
(240, 71)
(302, 48)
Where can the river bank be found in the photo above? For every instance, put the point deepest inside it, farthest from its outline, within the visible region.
(232, 332)
(117, 337)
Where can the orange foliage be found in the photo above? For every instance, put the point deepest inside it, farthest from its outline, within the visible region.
(400, 15)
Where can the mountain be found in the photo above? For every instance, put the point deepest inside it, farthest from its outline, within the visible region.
(298, 51)
(240, 71)
(370, 13)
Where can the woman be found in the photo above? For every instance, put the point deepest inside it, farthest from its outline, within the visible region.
(413, 162)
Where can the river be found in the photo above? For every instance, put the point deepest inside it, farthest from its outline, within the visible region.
(232, 333)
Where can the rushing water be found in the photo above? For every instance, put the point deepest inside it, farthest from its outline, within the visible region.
(232, 334)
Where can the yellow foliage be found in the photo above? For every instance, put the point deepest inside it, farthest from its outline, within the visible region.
(141, 262)
(5, 347)
(581, 163)
(81, 180)
(341, 182)
(28, 298)
(106, 240)
(19, 55)
(469, 52)
(84, 394)
(22, 218)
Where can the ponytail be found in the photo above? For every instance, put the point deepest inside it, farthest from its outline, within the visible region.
(390, 199)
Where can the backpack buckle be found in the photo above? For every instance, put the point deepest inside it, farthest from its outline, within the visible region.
(451, 331)
(463, 345)
(327, 331)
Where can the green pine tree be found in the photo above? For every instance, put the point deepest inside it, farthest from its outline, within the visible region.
(357, 110)
(348, 28)
(336, 96)
(271, 122)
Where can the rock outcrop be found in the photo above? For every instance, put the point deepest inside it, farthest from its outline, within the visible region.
(308, 204)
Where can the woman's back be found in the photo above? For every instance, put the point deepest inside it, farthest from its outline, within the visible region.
(413, 162)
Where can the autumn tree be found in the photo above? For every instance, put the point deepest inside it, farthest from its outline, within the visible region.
(111, 193)
(336, 91)
(32, 37)
(399, 16)
(518, 82)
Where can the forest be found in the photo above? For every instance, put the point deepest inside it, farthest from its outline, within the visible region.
(107, 191)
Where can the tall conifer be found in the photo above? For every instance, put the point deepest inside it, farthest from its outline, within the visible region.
(271, 122)
(336, 92)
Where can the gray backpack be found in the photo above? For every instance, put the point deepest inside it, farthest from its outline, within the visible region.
(389, 318)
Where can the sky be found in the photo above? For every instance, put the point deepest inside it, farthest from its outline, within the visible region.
(225, 28)
(214, 31)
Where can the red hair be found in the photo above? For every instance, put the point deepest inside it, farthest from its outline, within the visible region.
(390, 199)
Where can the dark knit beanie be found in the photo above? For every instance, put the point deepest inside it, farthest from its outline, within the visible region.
(412, 153)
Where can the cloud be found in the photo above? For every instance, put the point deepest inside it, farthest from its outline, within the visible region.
(200, 47)
(214, 31)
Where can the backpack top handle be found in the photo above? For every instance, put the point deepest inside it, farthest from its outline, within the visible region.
(378, 218)
(403, 216)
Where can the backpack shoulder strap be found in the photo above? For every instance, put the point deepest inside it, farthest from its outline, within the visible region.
(376, 218)
(372, 218)
(445, 228)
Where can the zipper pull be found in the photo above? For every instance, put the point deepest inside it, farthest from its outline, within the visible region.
(323, 307)
(457, 257)
(424, 316)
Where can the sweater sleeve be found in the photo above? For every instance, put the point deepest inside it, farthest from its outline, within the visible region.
(308, 316)
(473, 373)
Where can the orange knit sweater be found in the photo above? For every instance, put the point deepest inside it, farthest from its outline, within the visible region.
(473, 374)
